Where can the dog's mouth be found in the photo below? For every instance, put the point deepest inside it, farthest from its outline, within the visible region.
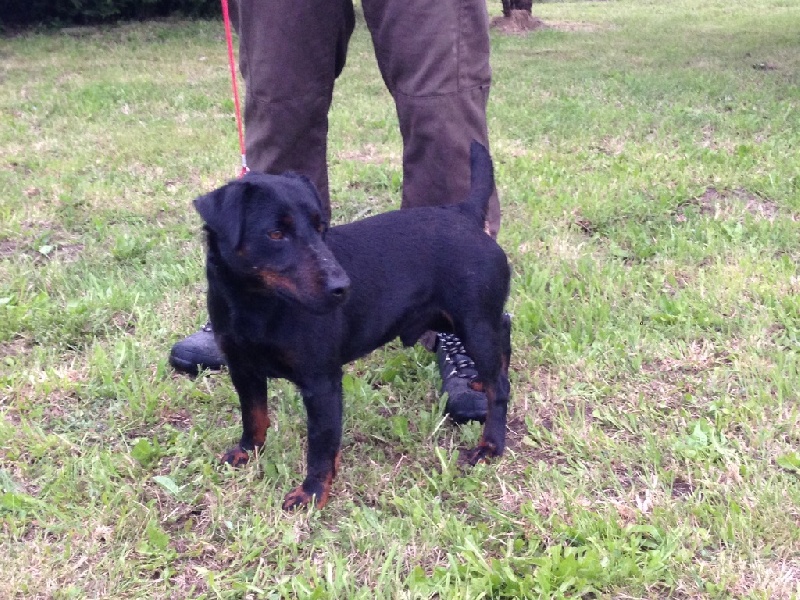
(319, 295)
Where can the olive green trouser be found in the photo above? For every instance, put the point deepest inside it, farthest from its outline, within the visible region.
(434, 59)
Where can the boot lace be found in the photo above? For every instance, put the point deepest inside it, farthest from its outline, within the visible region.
(455, 355)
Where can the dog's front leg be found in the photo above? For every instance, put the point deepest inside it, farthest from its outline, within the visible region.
(323, 400)
(251, 385)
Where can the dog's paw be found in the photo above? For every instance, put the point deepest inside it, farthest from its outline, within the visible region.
(236, 456)
(299, 498)
(481, 453)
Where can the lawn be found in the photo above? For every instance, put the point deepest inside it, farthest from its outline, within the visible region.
(648, 162)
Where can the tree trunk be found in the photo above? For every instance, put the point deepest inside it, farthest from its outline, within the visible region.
(509, 5)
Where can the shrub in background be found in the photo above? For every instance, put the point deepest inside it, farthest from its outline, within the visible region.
(25, 13)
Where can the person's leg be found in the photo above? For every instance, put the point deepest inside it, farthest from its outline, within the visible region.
(434, 59)
(290, 53)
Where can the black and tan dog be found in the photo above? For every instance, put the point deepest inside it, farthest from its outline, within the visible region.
(290, 298)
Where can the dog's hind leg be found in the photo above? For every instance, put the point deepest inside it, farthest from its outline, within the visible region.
(490, 349)
(251, 386)
(323, 401)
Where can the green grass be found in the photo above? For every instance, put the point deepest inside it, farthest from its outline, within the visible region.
(647, 161)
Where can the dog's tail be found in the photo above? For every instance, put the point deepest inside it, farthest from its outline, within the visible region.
(481, 184)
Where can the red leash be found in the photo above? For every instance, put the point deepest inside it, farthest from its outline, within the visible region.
(226, 17)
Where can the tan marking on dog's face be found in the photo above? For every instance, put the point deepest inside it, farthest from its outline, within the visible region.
(277, 281)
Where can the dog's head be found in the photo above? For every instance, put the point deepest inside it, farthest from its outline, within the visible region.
(268, 230)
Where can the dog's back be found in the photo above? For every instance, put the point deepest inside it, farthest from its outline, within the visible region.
(420, 268)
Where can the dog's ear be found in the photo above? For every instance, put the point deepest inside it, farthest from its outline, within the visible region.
(311, 188)
(223, 213)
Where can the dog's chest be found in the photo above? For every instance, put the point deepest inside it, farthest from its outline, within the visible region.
(283, 348)
(279, 364)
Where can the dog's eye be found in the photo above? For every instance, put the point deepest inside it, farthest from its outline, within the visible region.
(276, 235)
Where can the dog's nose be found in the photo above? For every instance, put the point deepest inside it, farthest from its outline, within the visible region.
(338, 286)
(340, 292)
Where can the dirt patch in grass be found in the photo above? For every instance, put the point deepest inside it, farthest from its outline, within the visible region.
(69, 252)
(712, 201)
(124, 321)
(681, 487)
(522, 22)
(15, 347)
(180, 419)
(370, 154)
(519, 21)
(731, 204)
(9, 248)
(575, 26)
(43, 241)
(698, 357)
(765, 66)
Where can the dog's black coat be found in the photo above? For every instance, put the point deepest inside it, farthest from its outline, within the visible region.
(289, 298)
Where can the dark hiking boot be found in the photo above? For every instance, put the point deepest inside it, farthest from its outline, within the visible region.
(458, 372)
(197, 352)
